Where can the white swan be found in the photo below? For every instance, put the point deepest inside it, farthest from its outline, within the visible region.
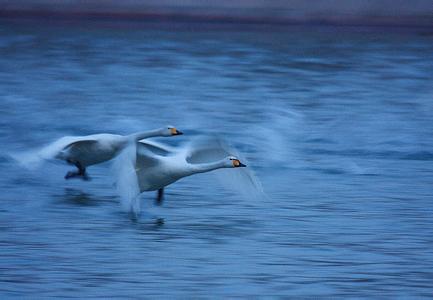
(84, 151)
(152, 166)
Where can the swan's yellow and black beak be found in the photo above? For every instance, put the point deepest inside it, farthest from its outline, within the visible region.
(237, 163)
(174, 131)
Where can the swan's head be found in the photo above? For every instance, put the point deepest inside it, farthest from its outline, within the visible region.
(170, 130)
(234, 162)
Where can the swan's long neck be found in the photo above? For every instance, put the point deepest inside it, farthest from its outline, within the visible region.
(144, 135)
(206, 167)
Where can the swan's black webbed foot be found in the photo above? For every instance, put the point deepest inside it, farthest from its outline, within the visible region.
(160, 197)
(159, 221)
(85, 177)
(81, 171)
(134, 216)
(71, 174)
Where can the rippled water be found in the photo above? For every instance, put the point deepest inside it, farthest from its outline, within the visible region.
(336, 124)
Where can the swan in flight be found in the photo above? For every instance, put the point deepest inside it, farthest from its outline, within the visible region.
(151, 166)
(84, 151)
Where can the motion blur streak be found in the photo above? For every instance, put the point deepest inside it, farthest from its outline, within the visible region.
(336, 124)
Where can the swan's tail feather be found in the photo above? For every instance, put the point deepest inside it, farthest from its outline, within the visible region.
(34, 159)
(28, 160)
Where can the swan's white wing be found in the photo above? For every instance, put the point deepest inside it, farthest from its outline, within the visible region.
(146, 156)
(204, 150)
(156, 148)
(238, 180)
(78, 148)
(126, 166)
(126, 179)
(53, 149)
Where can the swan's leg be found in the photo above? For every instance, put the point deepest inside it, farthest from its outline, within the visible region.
(70, 174)
(160, 196)
(81, 171)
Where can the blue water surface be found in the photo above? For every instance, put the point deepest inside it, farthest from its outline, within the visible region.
(336, 123)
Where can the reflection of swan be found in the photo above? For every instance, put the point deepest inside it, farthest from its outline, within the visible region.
(152, 166)
(94, 149)
(77, 197)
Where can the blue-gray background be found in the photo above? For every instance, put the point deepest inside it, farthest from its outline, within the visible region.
(336, 123)
(365, 12)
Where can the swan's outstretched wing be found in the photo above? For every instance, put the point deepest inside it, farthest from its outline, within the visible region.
(126, 167)
(239, 180)
(77, 148)
(156, 148)
(125, 178)
(66, 143)
(146, 155)
(204, 150)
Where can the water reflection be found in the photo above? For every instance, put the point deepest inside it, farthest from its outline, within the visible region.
(78, 198)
